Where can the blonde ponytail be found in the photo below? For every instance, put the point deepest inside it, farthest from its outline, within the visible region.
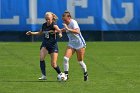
(55, 18)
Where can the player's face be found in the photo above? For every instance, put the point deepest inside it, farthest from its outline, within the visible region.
(66, 19)
(49, 18)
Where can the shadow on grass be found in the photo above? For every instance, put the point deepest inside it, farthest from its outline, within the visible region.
(29, 81)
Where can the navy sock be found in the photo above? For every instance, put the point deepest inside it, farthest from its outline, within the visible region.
(57, 69)
(42, 67)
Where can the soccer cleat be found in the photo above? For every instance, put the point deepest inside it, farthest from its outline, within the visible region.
(42, 77)
(85, 76)
(67, 76)
(61, 77)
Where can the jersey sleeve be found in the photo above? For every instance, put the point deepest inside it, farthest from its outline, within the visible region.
(54, 23)
(42, 29)
(75, 25)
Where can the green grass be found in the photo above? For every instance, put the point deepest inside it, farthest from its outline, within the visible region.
(114, 67)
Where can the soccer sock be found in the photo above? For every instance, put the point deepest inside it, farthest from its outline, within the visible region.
(83, 65)
(57, 69)
(42, 67)
(66, 72)
(66, 65)
(85, 74)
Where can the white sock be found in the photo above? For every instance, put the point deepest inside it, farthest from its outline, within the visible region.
(66, 64)
(83, 65)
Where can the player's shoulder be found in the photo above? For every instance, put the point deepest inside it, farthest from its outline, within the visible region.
(54, 23)
(73, 22)
(45, 23)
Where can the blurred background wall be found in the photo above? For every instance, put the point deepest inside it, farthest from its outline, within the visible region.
(99, 20)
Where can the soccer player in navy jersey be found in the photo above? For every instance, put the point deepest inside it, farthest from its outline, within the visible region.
(49, 44)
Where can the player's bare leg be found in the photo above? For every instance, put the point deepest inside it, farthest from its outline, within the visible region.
(43, 53)
(80, 56)
(54, 62)
(69, 52)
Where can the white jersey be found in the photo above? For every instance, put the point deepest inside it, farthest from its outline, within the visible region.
(76, 41)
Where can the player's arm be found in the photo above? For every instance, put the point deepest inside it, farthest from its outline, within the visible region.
(34, 33)
(57, 29)
(76, 31)
(63, 30)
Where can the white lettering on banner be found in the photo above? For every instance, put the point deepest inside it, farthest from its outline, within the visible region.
(71, 4)
(33, 13)
(13, 21)
(129, 15)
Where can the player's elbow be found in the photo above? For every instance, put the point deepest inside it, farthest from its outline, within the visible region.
(77, 31)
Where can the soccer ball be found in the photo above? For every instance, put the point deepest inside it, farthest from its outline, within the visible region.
(62, 77)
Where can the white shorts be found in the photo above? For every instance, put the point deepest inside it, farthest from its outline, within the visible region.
(76, 45)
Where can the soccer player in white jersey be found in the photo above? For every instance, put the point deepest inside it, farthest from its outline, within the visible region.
(76, 43)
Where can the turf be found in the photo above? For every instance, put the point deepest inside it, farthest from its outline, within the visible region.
(114, 67)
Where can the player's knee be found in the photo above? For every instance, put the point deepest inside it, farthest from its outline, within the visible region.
(66, 59)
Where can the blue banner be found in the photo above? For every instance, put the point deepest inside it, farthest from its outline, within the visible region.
(93, 15)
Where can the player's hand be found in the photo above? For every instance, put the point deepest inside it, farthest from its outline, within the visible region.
(63, 30)
(65, 26)
(60, 35)
(29, 33)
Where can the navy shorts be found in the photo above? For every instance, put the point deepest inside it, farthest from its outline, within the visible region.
(51, 47)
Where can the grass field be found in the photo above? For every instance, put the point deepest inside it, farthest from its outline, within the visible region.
(114, 67)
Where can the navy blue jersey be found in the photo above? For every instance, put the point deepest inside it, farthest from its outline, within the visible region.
(49, 38)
